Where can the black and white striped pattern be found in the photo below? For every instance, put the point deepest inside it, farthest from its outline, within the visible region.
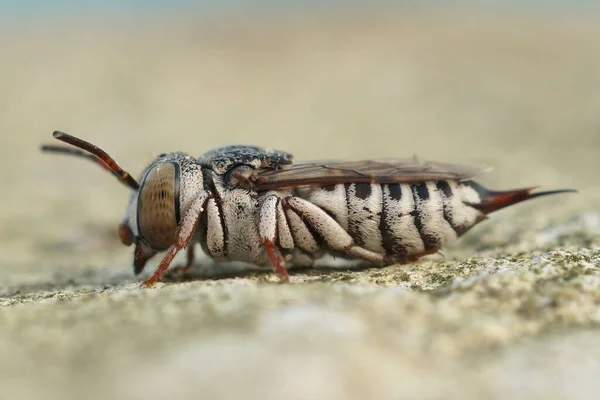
(400, 219)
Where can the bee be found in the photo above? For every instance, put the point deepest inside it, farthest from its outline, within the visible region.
(252, 204)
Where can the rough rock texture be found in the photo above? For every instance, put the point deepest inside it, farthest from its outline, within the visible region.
(513, 309)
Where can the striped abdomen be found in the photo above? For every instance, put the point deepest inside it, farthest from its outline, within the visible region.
(402, 219)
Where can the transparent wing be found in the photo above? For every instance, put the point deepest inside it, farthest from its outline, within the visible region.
(371, 171)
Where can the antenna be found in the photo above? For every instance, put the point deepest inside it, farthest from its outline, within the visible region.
(91, 152)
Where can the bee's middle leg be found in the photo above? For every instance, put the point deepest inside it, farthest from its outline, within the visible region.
(270, 235)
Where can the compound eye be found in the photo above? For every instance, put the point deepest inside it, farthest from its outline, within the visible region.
(158, 206)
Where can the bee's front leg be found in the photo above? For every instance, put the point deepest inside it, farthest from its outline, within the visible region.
(267, 227)
(185, 233)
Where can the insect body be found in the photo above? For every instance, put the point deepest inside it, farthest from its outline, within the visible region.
(246, 203)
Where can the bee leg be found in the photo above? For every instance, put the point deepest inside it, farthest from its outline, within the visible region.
(191, 257)
(301, 258)
(268, 235)
(189, 263)
(185, 233)
(429, 252)
(330, 230)
(407, 259)
(277, 261)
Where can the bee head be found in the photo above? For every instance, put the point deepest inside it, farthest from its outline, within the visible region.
(155, 210)
(156, 205)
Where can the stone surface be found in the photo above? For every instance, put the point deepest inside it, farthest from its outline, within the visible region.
(512, 309)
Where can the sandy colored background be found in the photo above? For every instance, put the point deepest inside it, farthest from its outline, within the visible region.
(512, 309)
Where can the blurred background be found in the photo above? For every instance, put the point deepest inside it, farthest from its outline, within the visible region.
(511, 84)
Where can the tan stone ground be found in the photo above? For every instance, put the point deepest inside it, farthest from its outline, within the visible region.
(513, 309)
